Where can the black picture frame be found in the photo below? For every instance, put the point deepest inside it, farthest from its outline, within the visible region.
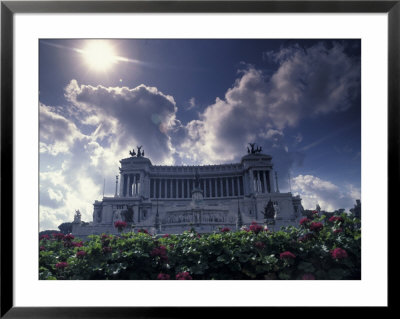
(9, 8)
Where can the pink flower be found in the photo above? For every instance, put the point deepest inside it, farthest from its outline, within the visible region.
(316, 226)
(336, 219)
(308, 277)
(183, 276)
(304, 221)
(225, 230)
(314, 212)
(287, 255)
(339, 253)
(44, 237)
(259, 245)
(80, 254)
(42, 248)
(61, 265)
(266, 228)
(162, 276)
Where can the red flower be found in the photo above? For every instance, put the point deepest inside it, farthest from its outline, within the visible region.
(44, 237)
(42, 248)
(61, 265)
(162, 276)
(304, 221)
(58, 236)
(143, 231)
(314, 212)
(161, 252)
(183, 276)
(77, 244)
(120, 225)
(68, 237)
(254, 227)
(80, 254)
(259, 245)
(308, 277)
(316, 226)
(339, 253)
(287, 255)
(336, 231)
(336, 219)
(166, 236)
(225, 230)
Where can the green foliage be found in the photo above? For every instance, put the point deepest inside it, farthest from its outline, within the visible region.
(229, 255)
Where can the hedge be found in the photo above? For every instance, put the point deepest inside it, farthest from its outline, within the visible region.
(319, 248)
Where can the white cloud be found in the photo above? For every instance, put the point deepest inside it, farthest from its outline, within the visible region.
(329, 196)
(258, 108)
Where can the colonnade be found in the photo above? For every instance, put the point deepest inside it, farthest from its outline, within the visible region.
(182, 187)
(262, 181)
(131, 185)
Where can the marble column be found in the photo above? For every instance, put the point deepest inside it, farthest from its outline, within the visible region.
(238, 186)
(165, 188)
(187, 188)
(209, 188)
(233, 185)
(128, 188)
(121, 187)
(134, 185)
(216, 188)
(264, 173)
(227, 186)
(176, 188)
(183, 188)
(159, 187)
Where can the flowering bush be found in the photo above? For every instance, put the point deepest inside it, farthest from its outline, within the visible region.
(121, 225)
(336, 219)
(162, 276)
(144, 231)
(316, 226)
(58, 236)
(225, 230)
(80, 254)
(254, 227)
(304, 221)
(339, 253)
(289, 253)
(61, 265)
(183, 276)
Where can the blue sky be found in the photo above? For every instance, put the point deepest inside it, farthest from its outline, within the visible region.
(198, 102)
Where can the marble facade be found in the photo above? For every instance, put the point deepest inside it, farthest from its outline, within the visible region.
(172, 199)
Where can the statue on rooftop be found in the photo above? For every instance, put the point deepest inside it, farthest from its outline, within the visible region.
(132, 153)
(254, 150)
(139, 153)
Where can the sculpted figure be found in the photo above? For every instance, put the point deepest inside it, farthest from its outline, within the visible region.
(139, 153)
(132, 153)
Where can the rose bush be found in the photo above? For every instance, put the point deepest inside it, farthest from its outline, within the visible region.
(250, 253)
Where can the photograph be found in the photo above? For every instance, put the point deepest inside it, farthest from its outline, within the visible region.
(199, 158)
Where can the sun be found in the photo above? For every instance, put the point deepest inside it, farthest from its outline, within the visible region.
(99, 55)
